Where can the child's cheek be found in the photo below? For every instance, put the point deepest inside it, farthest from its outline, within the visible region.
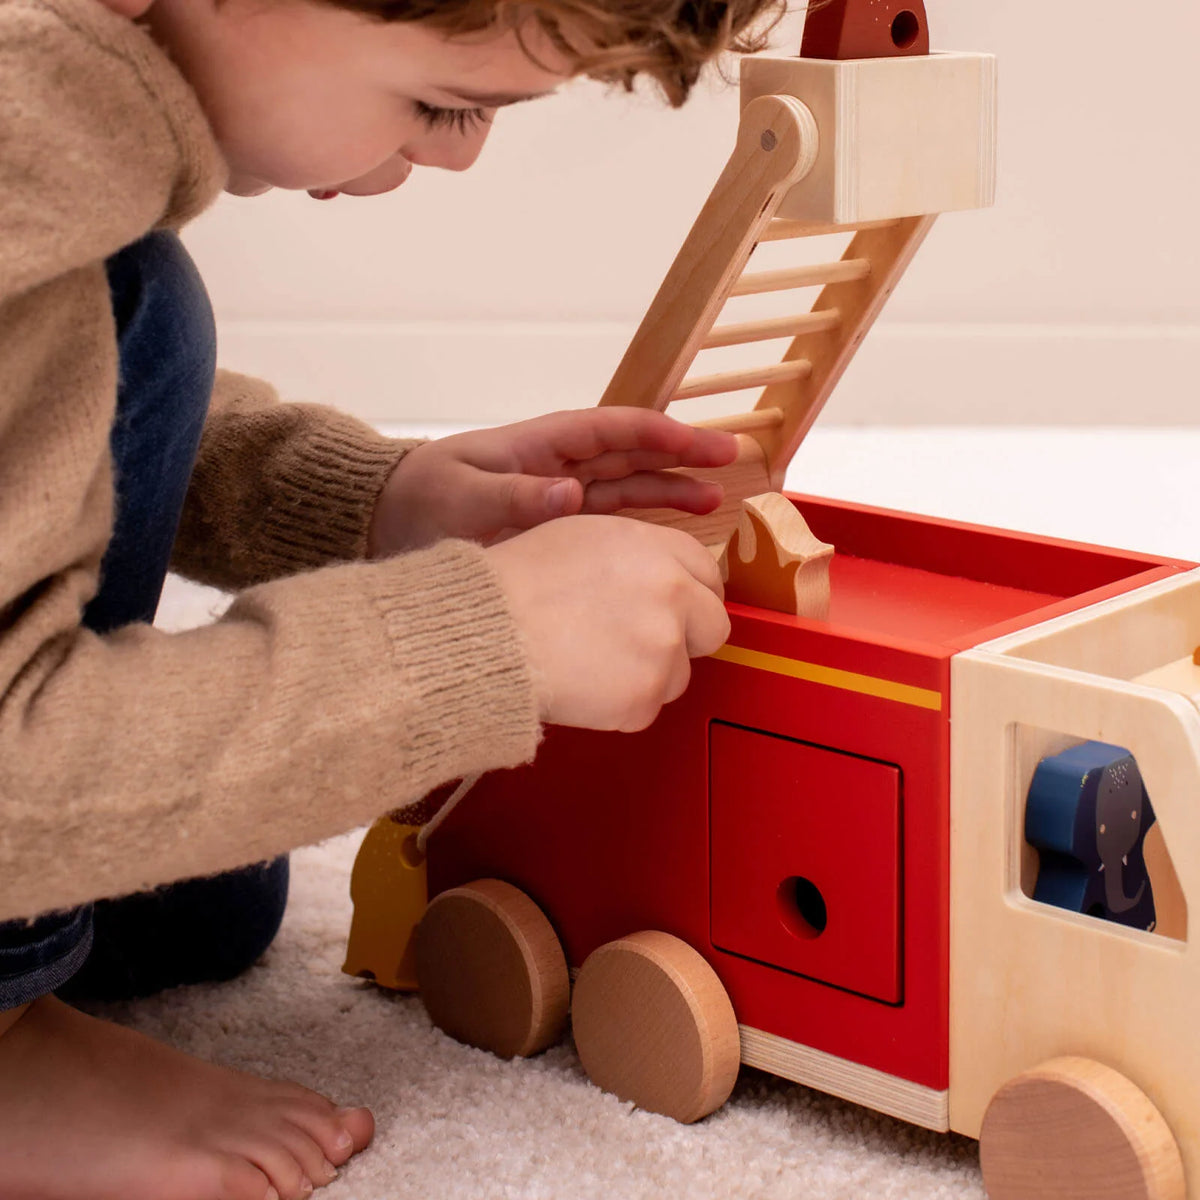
(321, 139)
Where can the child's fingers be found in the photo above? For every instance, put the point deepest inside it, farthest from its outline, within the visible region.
(522, 501)
(707, 618)
(678, 675)
(615, 464)
(689, 553)
(589, 436)
(653, 489)
(640, 431)
(701, 566)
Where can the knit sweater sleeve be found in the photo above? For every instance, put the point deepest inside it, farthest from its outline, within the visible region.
(320, 700)
(278, 488)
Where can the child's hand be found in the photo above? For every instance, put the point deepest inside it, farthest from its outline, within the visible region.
(611, 610)
(595, 460)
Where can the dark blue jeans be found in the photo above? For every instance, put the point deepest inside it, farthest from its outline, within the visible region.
(200, 929)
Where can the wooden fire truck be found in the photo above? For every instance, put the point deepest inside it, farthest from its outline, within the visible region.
(927, 846)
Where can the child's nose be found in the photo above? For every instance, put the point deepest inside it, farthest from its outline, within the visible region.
(448, 148)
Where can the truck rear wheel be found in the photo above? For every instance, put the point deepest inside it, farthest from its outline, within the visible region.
(654, 1024)
(1074, 1129)
(491, 970)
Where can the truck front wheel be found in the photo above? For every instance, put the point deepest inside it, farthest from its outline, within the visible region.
(1074, 1129)
(654, 1024)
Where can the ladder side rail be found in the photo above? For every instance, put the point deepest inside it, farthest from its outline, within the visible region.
(776, 146)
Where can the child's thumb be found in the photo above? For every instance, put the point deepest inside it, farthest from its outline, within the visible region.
(529, 500)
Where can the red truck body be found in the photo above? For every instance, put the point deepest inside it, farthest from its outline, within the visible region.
(789, 816)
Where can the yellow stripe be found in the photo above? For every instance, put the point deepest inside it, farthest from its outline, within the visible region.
(868, 685)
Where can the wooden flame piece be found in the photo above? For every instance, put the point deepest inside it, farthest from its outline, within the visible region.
(774, 561)
(865, 29)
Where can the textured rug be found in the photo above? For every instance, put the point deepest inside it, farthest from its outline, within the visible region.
(453, 1122)
(456, 1122)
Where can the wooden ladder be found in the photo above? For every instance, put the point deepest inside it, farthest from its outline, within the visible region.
(776, 148)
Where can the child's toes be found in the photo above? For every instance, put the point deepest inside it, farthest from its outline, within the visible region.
(280, 1165)
(238, 1179)
(339, 1132)
(308, 1152)
(359, 1124)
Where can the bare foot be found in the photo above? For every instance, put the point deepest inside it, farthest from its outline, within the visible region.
(93, 1111)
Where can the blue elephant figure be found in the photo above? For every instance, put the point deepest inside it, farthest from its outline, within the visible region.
(1087, 815)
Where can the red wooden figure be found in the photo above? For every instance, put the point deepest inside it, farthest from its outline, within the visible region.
(865, 29)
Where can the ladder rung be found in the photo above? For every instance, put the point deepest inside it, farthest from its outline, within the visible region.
(778, 230)
(733, 381)
(747, 422)
(777, 327)
(845, 270)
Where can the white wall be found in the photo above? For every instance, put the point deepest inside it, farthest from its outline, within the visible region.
(512, 289)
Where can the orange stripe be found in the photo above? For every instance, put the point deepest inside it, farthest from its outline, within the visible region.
(850, 681)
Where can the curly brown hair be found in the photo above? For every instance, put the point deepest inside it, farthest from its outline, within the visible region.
(613, 41)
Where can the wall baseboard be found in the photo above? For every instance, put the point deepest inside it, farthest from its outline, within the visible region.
(906, 374)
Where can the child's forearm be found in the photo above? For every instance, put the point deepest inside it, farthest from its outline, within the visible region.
(317, 703)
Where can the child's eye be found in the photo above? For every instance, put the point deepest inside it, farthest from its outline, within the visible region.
(461, 119)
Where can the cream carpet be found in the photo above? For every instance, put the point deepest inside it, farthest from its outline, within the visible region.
(455, 1122)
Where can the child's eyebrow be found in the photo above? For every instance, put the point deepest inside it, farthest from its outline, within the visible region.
(494, 99)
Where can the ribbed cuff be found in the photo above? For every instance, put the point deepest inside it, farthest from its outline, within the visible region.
(464, 656)
(326, 493)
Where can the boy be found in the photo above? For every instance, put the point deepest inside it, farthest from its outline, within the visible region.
(386, 636)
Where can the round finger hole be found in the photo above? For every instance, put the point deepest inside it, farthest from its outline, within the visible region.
(905, 29)
(802, 907)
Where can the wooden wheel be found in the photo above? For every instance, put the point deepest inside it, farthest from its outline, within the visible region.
(491, 970)
(653, 1024)
(1074, 1129)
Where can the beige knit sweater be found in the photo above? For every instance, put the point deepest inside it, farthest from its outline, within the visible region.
(332, 690)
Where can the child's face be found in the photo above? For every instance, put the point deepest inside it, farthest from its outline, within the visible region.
(310, 96)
